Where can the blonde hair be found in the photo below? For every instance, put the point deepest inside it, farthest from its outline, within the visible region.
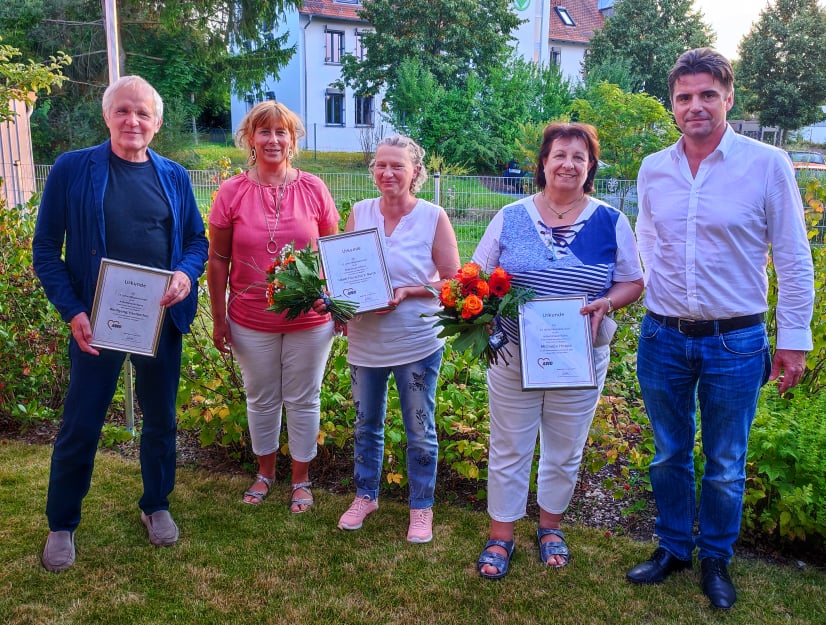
(268, 114)
(414, 152)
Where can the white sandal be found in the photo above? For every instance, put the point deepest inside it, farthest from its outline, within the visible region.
(301, 501)
(258, 495)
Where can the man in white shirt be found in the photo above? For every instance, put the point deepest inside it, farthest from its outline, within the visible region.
(711, 207)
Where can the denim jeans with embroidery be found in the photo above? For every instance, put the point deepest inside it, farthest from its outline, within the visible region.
(416, 383)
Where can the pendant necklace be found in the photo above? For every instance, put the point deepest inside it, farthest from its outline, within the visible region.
(272, 246)
(565, 212)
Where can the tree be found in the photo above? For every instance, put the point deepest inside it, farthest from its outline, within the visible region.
(22, 80)
(650, 34)
(783, 64)
(477, 122)
(631, 125)
(192, 51)
(451, 39)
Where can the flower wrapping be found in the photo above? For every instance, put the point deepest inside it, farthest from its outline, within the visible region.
(472, 304)
(294, 283)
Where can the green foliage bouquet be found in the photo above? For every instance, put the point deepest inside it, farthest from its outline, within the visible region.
(472, 303)
(294, 283)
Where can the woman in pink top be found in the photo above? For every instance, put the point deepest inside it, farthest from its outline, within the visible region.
(254, 215)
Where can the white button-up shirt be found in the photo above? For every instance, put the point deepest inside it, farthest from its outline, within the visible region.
(704, 240)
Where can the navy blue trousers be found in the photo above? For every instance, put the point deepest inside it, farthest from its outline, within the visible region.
(92, 384)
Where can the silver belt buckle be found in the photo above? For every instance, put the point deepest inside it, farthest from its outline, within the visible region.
(680, 322)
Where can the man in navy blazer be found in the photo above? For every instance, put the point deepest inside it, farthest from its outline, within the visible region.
(118, 200)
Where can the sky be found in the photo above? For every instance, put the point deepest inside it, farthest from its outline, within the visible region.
(731, 20)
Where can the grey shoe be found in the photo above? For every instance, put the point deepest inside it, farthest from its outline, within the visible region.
(59, 553)
(162, 529)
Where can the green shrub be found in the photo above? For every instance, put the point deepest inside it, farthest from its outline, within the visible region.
(786, 470)
(34, 367)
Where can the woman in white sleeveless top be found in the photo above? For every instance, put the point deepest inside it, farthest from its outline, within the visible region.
(420, 250)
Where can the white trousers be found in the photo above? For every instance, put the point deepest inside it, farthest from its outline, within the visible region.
(563, 419)
(283, 371)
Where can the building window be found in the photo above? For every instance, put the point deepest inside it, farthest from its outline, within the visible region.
(556, 56)
(364, 110)
(565, 16)
(333, 46)
(359, 51)
(334, 107)
(270, 95)
(249, 100)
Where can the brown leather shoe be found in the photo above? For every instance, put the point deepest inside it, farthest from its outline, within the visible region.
(660, 565)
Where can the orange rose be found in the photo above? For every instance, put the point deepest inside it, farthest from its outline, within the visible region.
(500, 282)
(471, 307)
(469, 272)
(447, 295)
(481, 288)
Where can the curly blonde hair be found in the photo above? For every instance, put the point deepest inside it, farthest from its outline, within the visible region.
(414, 152)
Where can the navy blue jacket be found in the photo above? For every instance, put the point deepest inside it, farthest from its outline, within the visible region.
(71, 213)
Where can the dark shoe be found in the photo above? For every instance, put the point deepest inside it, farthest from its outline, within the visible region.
(660, 565)
(495, 559)
(552, 547)
(162, 529)
(717, 584)
(59, 553)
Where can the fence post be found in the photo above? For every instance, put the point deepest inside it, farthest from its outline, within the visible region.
(437, 188)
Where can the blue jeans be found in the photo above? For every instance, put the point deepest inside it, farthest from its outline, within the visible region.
(416, 383)
(92, 383)
(725, 373)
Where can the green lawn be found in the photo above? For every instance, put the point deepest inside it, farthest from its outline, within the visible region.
(247, 565)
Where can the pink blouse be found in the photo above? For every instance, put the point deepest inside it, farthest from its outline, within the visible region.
(249, 209)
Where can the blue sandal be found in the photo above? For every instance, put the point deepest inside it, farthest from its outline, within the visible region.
(552, 548)
(495, 559)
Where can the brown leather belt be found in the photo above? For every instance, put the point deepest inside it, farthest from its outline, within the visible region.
(707, 327)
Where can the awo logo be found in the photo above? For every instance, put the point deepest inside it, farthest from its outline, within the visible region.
(114, 324)
(544, 362)
(349, 292)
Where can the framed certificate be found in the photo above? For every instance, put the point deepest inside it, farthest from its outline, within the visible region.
(555, 346)
(127, 315)
(354, 268)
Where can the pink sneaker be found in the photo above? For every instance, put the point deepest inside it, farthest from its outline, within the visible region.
(421, 525)
(357, 512)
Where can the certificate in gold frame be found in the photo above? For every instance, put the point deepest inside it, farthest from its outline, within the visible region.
(126, 313)
(555, 345)
(355, 270)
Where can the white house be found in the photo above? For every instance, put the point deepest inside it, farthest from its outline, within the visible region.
(554, 31)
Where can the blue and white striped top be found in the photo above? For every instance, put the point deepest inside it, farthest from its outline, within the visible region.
(586, 257)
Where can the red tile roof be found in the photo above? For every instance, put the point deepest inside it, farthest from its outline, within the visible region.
(586, 16)
(331, 8)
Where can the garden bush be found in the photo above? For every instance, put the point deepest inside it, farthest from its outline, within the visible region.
(34, 366)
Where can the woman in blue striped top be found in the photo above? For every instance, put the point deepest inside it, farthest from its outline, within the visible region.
(560, 241)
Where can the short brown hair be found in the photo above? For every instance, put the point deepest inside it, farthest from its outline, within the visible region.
(702, 61)
(268, 113)
(569, 130)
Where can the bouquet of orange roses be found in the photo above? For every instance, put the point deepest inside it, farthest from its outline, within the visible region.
(472, 302)
(294, 283)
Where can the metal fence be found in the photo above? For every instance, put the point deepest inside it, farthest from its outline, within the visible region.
(470, 201)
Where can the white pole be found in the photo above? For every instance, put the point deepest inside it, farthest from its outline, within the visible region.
(110, 23)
